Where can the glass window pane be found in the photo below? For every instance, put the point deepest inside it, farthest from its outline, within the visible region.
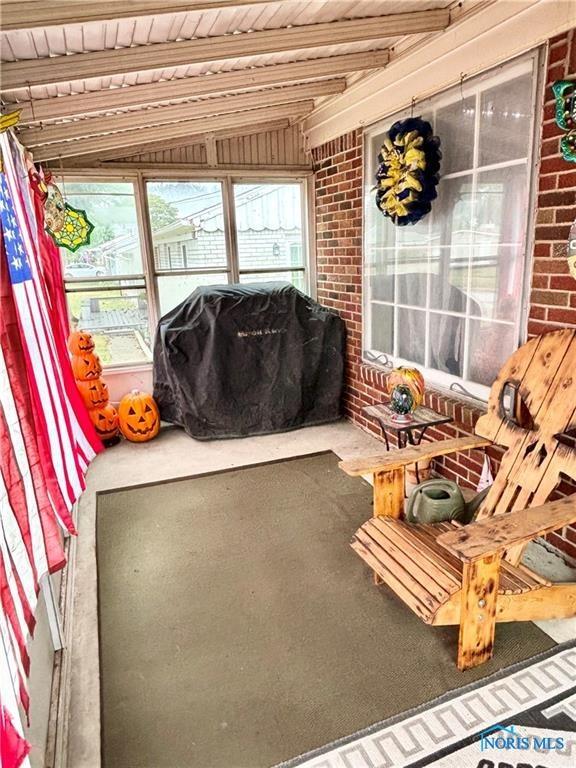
(411, 335)
(447, 340)
(114, 247)
(497, 281)
(451, 217)
(118, 320)
(505, 121)
(449, 279)
(173, 289)
(491, 344)
(269, 225)
(187, 222)
(298, 279)
(501, 205)
(382, 328)
(455, 126)
(412, 276)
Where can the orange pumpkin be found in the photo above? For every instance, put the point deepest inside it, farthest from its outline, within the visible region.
(105, 421)
(94, 393)
(138, 416)
(86, 366)
(80, 342)
(407, 377)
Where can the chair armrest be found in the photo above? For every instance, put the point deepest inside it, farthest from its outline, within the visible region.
(493, 535)
(412, 454)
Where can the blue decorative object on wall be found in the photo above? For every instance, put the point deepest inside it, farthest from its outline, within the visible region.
(408, 172)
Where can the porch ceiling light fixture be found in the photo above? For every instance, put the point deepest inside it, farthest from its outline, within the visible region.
(408, 171)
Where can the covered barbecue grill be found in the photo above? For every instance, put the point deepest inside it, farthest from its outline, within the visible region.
(237, 360)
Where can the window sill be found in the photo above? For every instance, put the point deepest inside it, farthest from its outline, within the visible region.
(120, 368)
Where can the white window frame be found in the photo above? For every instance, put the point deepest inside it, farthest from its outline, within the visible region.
(142, 280)
(227, 178)
(504, 72)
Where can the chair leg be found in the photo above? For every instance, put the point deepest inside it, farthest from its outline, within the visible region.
(478, 614)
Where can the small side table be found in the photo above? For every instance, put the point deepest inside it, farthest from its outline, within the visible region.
(409, 432)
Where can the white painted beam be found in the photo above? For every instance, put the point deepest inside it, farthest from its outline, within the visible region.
(237, 81)
(110, 141)
(21, 74)
(17, 14)
(495, 33)
(182, 141)
(143, 118)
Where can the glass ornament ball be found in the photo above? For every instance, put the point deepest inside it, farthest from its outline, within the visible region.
(402, 400)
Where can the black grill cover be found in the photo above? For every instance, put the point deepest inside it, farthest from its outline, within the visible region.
(236, 360)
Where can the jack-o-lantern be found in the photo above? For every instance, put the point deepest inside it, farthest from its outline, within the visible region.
(138, 416)
(86, 366)
(94, 392)
(105, 421)
(80, 342)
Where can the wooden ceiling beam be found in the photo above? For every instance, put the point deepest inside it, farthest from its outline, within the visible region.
(38, 13)
(183, 141)
(236, 81)
(110, 141)
(140, 58)
(143, 118)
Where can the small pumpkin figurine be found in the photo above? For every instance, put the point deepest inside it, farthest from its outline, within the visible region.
(407, 377)
(86, 366)
(80, 342)
(94, 392)
(138, 416)
(105, 421)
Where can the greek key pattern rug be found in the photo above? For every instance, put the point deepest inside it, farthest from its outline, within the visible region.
(522, 717)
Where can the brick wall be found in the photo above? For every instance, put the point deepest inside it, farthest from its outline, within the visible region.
(339, 200)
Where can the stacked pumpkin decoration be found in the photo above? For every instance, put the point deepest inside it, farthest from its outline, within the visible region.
(93, 389)
(406, 390)
(138, 416)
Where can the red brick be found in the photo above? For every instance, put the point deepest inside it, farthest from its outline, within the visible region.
(567, 179)
(567, 316)
(558, 53)
(563, 282)
(550, 298)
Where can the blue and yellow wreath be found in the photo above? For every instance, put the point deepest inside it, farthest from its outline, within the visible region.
(408, 172)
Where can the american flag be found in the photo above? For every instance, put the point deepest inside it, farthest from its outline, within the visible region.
(45, 446)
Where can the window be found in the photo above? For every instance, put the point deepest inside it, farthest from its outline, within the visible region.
(200, 233)
(447, 294)
(187, 222)
(105, 284)
(269, 227)
(190, 224)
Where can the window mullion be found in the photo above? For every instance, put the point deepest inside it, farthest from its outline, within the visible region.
(230, 232)
(148, 254)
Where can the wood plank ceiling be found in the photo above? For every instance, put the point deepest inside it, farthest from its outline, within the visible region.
(109, 77)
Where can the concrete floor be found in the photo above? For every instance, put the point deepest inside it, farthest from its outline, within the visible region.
(175, 455)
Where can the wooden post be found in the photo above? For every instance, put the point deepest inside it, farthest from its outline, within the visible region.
(478, 613)
(388, 497)
(389, 493)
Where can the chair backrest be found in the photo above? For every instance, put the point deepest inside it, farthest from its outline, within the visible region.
(532, 413)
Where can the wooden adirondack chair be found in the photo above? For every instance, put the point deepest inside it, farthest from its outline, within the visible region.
(471, 575)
